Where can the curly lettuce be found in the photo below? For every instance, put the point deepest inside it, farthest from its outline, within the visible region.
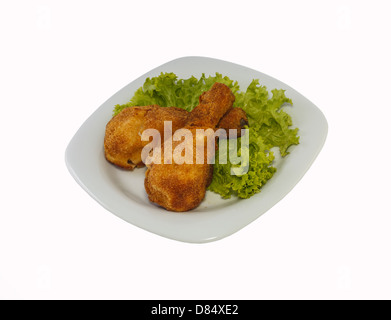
(267, 117)
(269, 126)
(260, 170)
(166, 90)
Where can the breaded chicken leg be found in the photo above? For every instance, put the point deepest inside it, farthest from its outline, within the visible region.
(182, 187)
(179, 187)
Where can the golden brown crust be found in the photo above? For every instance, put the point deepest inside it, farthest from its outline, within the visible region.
(122, 141)
(177, 187)
(180, 187)
(214, 104)
(235, 118)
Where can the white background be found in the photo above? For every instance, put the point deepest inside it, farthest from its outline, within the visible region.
(330, 238)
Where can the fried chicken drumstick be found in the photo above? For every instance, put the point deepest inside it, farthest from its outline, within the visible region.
(182, 187)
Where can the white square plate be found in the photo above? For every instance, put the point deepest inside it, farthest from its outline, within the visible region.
(122, 192)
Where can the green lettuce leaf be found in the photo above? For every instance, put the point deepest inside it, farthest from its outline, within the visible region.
(267, 117)
(244, 185)
(167, 90)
